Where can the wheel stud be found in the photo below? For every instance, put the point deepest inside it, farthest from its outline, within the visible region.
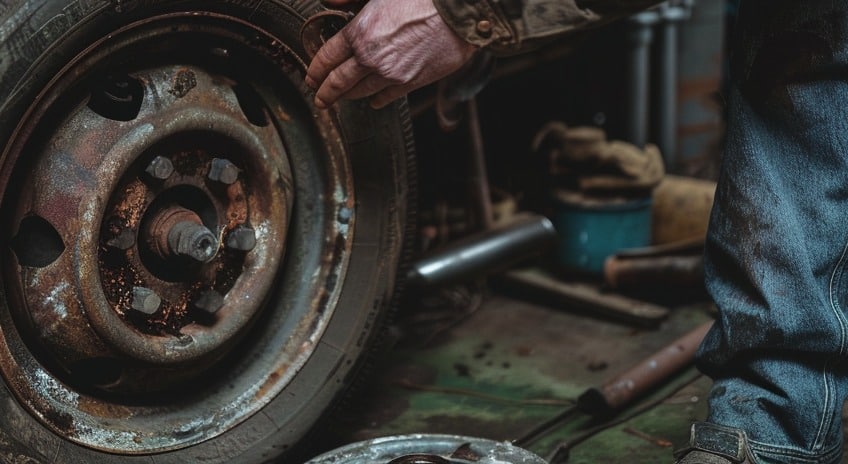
(145, 300)
(209, 301)
(224, 171)
(241, 238)
(193, 240)
(160, 168)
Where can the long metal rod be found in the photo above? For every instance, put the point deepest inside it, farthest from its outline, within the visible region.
(478, 176)
(628, 386)
(561, 452)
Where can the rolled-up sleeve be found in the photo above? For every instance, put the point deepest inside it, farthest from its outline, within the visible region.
(508, 26)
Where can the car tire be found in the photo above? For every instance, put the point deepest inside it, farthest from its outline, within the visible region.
(93, 95)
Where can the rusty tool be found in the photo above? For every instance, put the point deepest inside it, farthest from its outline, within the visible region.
(622, 390)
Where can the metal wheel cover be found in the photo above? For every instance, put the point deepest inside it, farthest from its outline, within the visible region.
(429, 449)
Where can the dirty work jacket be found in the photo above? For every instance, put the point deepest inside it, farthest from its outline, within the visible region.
(508, 26)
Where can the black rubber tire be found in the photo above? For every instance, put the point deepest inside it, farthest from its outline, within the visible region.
(38, 37)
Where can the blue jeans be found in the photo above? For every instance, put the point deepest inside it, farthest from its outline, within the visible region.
(776, 251)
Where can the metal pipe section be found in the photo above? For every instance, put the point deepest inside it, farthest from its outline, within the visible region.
(639, 35)
(700, 70)
(671, 14)
(664, 273)
(666, 104)
(485, 252)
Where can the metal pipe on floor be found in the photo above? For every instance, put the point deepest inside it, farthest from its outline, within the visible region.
(485, 252)
(628, 386)
(649, 373)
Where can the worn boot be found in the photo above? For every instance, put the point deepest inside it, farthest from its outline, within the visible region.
(715, 444)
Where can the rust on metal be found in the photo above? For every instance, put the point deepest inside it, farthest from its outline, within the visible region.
(467, 453)
(89, 181)
(133, 233)
(184, 81)
(637, 380)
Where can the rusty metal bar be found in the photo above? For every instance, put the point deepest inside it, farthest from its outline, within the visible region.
(636, 381)
(625, 388)
(667, 272)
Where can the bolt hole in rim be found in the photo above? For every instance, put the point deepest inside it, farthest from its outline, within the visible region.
(89, 323)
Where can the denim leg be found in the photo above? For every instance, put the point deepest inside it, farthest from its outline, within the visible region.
(776, 252)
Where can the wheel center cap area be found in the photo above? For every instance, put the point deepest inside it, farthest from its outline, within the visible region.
(177, 205)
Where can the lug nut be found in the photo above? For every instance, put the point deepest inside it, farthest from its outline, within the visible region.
(209, 301)
(194, 240)
(242, 239)
(123, 241)
(345, 215)
(160, 168)
(222, 170)
(145, 300)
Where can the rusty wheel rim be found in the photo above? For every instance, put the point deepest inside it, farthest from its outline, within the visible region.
(181, 222)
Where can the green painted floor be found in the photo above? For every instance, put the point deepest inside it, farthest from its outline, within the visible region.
(495, 366)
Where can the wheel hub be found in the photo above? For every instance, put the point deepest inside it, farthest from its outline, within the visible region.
(178, 254)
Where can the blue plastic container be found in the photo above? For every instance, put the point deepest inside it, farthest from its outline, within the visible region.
(591, 230)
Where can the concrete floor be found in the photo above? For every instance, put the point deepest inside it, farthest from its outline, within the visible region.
(495, 366)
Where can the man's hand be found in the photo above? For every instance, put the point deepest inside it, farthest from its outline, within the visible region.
(389, 49)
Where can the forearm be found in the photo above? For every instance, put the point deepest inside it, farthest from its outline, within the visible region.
(506, 26)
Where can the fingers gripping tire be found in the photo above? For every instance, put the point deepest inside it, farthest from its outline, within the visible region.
(118, 343)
